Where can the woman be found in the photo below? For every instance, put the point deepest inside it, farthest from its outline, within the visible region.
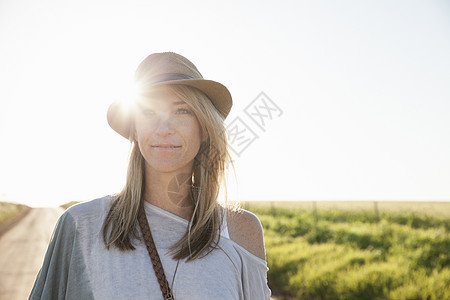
(164, 235)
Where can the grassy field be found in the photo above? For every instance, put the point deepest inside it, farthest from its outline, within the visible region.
(9, 213)
(69, 204)
(10, 210)
(357, 250)
(435, 209)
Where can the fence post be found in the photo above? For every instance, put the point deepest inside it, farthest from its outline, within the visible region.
(315, 212)
(377, 214)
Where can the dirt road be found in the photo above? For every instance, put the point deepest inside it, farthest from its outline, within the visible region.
(22, 251)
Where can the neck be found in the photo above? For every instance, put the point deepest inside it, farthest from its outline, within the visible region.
(170, 191)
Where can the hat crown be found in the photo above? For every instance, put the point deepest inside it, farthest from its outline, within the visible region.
(156, 65)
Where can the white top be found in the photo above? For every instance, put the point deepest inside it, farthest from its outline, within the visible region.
(77, 264)
(224, 228)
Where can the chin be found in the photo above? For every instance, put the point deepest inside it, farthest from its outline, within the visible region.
(172, 168)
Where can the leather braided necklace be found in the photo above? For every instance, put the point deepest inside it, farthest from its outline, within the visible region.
(154, 256)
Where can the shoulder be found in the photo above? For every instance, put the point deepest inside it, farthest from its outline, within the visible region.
(84, 219)
(92, 211)
(245, 229)
(94, 207)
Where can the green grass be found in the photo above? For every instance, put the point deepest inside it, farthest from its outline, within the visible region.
(69, 204)
(435, 209)
(9, 211)
(352, 254)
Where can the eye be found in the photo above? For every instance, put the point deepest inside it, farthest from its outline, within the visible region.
(184, 111)
(147, 111)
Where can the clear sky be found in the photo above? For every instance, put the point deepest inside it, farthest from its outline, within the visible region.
(362, 90)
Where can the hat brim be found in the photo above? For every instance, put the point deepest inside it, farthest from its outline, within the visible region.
(119, 113)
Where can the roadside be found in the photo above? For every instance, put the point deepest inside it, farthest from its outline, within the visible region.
(11, 214)
(22, 250)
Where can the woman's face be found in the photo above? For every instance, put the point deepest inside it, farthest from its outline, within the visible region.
(168, 132)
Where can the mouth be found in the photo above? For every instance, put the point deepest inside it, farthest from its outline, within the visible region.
(166, 147)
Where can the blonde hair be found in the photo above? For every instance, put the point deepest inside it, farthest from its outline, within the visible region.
(202, 235)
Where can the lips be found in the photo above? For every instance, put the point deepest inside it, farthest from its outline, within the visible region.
(166, 147)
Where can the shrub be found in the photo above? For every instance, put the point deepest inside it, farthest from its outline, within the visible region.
(434, 286)
(348, 255)
(372, 281)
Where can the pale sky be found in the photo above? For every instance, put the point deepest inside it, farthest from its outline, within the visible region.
(363, 89)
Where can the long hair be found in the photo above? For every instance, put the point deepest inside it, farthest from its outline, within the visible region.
(202, 235)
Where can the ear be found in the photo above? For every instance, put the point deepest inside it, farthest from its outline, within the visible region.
(204, 134)
(204, 138)
(133, 136)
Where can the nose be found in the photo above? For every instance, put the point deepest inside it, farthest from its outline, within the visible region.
(164, 126)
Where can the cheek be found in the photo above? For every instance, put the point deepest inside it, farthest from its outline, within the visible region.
(139, 135)
(197, 132)
(202, 133)
(142, 129)
(192, 135)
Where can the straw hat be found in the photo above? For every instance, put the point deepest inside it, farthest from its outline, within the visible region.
(168, 68)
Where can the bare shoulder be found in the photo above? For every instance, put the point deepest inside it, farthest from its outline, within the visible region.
(245, 229)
